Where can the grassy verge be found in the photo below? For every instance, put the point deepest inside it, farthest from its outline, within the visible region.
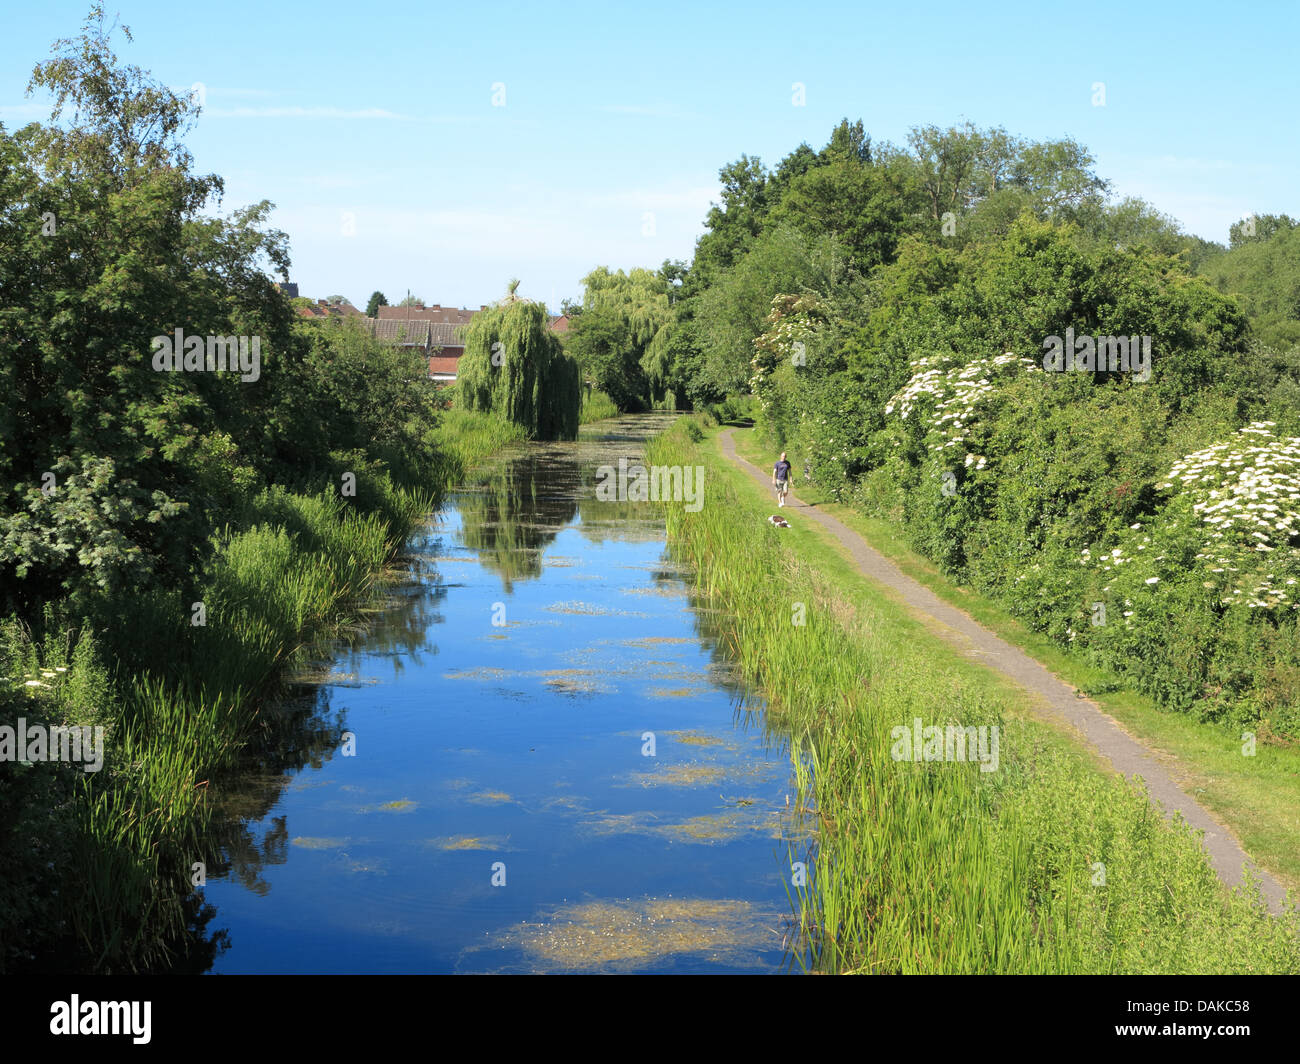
(101, 865)
(1045, 864)
(596, 406)
(1257, 797)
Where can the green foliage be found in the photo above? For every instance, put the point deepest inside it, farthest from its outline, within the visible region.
(596, 405)
(852, 253)
(516, 367)
(1263, 272)
(377, 299)
(621, 339)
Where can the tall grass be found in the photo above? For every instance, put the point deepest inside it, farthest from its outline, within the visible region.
(937, 867)
(182, 706)
(596, 405)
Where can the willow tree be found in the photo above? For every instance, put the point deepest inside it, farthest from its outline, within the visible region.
(515, 366)
(622, 337)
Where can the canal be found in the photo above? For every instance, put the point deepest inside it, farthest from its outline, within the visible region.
(534, 758)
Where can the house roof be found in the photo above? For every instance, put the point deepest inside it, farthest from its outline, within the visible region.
(435, 313)
(448, 335)
(321, 309)
(416, 333)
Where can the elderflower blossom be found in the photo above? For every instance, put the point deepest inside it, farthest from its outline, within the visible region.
(1246, 493)
(957, 392)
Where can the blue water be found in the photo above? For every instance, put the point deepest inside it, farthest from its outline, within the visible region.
(499, 710)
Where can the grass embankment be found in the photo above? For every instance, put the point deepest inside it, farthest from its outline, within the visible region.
(596, 406)
(105, 882)
(1257, 797)
(1047, 864)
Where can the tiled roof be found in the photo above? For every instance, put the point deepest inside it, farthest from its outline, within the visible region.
(439, 314)
(336, 310)
(448, 335)
(394, 331)
(419, 333)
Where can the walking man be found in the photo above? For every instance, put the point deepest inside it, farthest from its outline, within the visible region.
(781, 479)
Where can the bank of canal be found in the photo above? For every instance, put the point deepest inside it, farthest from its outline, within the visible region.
(535, 759)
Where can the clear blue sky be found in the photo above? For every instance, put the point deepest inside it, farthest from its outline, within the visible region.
(616, 120)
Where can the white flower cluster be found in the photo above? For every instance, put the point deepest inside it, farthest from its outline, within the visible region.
(956, 392)
(779, 340)
(1247, 494)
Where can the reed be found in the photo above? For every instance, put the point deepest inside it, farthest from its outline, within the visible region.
(596, 406)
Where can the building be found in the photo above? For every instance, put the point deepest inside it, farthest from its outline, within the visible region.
(441, 342)
(437, 313)
(437, 331)
(323, 309)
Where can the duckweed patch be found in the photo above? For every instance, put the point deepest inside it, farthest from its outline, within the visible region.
(589, 609)
(401, 805)
(679, 776)
(708, 829)
(632, 935)
(695, 738)
(469, 842)
(490, 798)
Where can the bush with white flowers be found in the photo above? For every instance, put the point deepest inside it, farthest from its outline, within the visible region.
(1241, 505)
(947, 397)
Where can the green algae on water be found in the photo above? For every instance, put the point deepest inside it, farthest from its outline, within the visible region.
(603, 935)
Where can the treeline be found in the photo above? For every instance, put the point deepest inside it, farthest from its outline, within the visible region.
(890, 307)
(194, 484)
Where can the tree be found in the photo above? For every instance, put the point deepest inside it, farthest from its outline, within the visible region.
(106, 250)
(947, 159)
(857, 203)
(1259, 228)
(738, 219)
(515, 366)
(621, 339)
(601, 342)
(733, 311)
(377, 300)
(1264, 275)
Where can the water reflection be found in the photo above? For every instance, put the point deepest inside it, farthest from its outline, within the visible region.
(521, 745)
